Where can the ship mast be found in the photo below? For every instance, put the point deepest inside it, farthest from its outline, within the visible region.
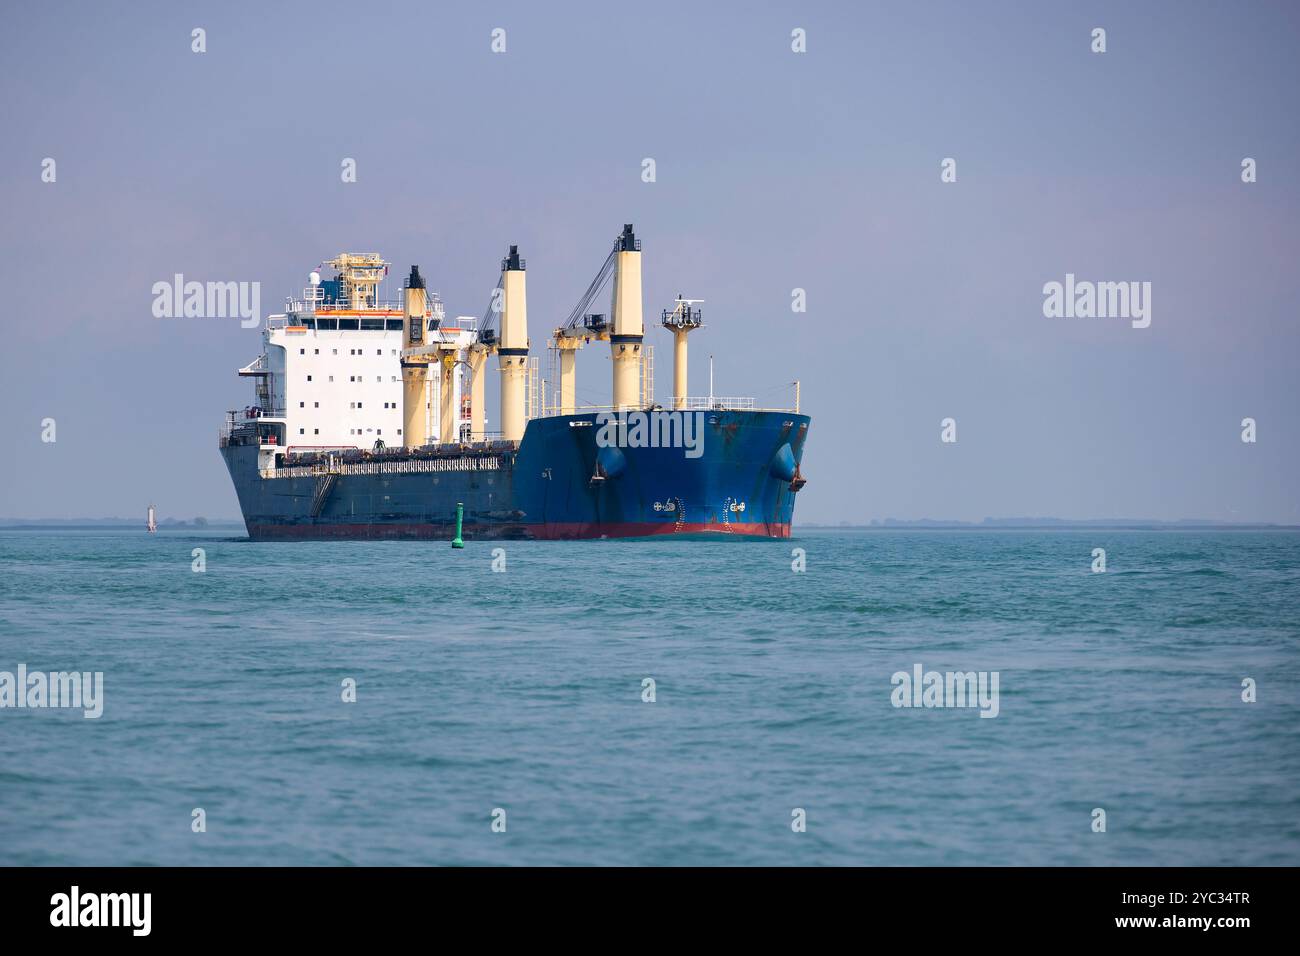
(681, 321)
(359, 275)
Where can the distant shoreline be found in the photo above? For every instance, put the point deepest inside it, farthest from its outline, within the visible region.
(1048, 526)
(113, 526)
(887, 525)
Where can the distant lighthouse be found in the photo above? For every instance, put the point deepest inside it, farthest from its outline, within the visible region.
(151, 524)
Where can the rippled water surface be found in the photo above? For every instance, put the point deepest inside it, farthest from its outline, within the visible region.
(523, 690)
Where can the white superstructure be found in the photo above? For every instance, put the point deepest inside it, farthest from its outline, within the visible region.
(331, 368)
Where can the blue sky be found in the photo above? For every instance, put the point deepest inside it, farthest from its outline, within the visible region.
(775, 170)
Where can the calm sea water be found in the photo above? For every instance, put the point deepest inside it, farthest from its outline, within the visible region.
(522, 690)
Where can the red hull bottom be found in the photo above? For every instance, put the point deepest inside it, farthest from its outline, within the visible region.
(540, 532)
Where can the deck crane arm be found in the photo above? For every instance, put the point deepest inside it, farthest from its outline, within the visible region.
(488, 325)
(579, 329)
(571, 328)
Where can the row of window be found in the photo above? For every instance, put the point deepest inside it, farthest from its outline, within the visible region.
(351, 431)
(358, 405)
(359, 379)
(354, 325)
(350, 351)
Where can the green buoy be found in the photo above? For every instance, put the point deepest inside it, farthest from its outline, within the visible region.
(458, 541)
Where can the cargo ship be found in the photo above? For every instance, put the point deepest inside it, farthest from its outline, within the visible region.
(369, 421)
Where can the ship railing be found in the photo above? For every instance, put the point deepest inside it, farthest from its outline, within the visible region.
(467, 323)
(403, 466)
(693, 404)
(308, 305)
(315, 455)
(714, 403)
(235, 426)
(241, 426)
(295, 308)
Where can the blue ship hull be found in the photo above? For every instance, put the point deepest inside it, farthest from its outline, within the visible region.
(558, 483)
